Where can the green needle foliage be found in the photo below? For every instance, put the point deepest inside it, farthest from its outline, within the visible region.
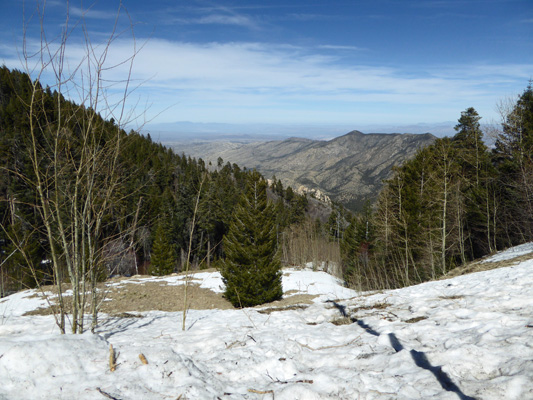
(163, 257)
(252, 268)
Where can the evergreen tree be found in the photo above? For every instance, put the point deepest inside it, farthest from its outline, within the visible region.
(251, 270)
(469, 142)
(349, 248)
(356, 242)
(473, 181)
(163, 257)
(514, 160)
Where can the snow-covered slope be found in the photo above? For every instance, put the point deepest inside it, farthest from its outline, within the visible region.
(462, 338)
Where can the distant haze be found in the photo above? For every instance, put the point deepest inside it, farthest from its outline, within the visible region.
(339, 62)
(349, 169)
(191, 131)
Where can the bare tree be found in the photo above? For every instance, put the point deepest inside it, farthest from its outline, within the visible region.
(189, 253)
(74, 155)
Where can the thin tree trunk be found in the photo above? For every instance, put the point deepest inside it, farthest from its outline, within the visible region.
(189, 251)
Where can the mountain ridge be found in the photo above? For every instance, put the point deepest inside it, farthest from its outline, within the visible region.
(348, 168)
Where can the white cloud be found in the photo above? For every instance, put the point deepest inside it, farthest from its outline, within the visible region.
(231, 82)
(290, 70)
(239, 20)
(91, 13)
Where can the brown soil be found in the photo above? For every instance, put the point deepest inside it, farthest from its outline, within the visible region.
(478, 266)
(159, 296)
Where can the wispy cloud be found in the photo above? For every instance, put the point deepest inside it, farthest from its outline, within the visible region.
(209, 15)
(91, 13)
(232, 82)
(220, 19)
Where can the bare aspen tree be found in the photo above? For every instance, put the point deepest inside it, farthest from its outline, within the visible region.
(514, 149)
(75, 184)
(189, 252)
(445, 164)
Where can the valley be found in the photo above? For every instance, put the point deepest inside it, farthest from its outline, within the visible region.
(349, 169)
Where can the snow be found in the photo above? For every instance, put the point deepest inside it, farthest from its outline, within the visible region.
(511, 253)
(207, 280)
(462, 338)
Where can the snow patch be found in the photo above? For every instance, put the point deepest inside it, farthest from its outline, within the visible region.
(511, 253)
(466, 337)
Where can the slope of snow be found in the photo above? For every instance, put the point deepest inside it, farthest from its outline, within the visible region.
(511, 253)
(462, 338)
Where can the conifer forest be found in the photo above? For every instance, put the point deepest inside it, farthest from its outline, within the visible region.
(81, 200)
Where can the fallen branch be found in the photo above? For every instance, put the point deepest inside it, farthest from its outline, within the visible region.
(326, 347)
(287, 382)
(112, 359)
(261, 391)
(106, 394)
(281, 382)
(235, 343)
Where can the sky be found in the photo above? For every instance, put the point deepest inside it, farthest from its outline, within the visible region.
(350, 63)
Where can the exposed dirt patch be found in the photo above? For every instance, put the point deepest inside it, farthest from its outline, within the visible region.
(134, 295)
(291, 301)
(376, 306)
(158, 296)
(270, 310)
(454, 297)
(343, 321)
(478, 266)
(415, 320)
(161, 297)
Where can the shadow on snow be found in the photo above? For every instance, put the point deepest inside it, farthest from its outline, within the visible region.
(418, 357)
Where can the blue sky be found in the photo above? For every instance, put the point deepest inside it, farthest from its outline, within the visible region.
(355, 63)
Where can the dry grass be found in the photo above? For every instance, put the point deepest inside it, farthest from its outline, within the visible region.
(415, 319)
(479, 266)
(270, 310)
(376, 306)
(343, 321)
(134, 295)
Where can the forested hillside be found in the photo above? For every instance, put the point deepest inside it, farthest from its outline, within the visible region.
(82, 198)
(350, 169)
(149, 209)
(455, 201)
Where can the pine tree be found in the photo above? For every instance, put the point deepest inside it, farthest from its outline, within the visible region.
(349, 247)
(514, 157)
(163, 257)
(469, 142)
(251, 270)
(474, 183)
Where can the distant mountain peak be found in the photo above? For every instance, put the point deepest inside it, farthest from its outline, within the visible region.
(354, 133)
(349, 169)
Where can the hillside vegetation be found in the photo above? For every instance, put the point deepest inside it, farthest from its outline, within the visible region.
(350, 169)
(145, 203)
(455, 201)
(83, 200)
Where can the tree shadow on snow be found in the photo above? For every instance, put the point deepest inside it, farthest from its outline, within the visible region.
(361, 323)
(114, 325)
(422, 361)
(419, 357)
